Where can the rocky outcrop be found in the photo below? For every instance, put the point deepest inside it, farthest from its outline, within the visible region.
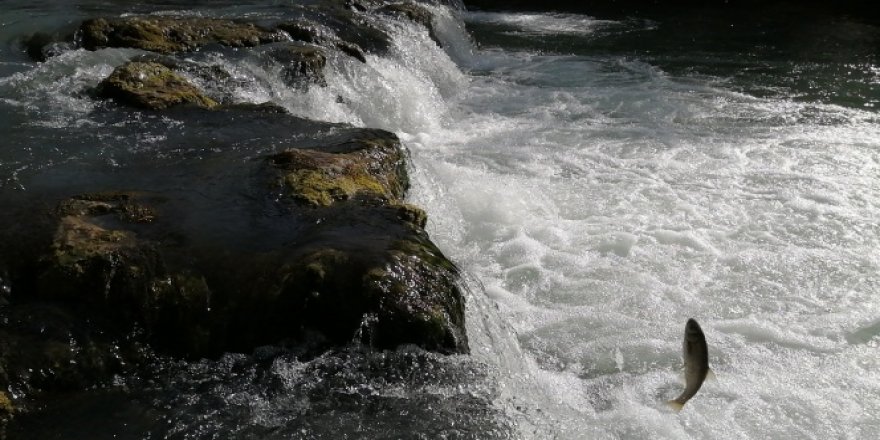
(151, 85)
(6, 411)
(166, 34)
(276, 230)
(332, 24)
(358, 267)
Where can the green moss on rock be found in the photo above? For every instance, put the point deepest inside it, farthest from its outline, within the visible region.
(410, 213)
(321, 188)
(370, 167)
(152, 86)
(6, 407)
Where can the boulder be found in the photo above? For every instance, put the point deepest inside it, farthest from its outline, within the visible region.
(336, 26)
(151, 85)
(354, 265)
(310, 31)
(6, 409)
(42, 46)
(167, 34)
(400, 291)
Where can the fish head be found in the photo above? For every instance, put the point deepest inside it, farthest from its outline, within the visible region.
(692, 330)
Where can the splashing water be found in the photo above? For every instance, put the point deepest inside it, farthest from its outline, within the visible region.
(596, 198)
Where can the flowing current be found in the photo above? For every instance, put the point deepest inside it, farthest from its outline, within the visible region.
(597, 192)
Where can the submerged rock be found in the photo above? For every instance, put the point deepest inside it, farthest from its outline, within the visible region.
(166, 34)
(301, 64)
(413, 12)
(6, 411)
(151, 85)
(42, 46)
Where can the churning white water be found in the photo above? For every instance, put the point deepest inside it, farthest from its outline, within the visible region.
(601, 202)
(595, 203)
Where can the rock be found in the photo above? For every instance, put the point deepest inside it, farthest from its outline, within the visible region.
(37, 46)
(55, 348)
(228, 263)
(315, 33)
(334, 26)
(6, 411)
(172, 34)
(6, 407)
(358, 267)
(403, 291)
(368, 166)
(301, 64)
(151, 85)
(413, 12)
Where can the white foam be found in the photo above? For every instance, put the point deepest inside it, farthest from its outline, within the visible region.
(602, 203)
(542, 24)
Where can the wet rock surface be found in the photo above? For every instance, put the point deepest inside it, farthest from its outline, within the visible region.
(165, 34)
(151, 85)
(257, 257)
(300, 64)
(371, 166)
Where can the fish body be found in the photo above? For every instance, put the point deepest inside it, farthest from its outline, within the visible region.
(696, 363)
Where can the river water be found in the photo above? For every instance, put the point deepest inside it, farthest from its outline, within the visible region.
(599, 182)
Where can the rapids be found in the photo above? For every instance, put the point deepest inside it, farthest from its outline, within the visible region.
(598, 182)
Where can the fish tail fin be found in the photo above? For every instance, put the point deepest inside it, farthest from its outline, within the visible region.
(710, 375)
(675, 405)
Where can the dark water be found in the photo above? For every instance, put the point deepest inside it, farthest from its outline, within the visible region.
(797, 53)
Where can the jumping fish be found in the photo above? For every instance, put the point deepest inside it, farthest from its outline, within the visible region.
(696, 363)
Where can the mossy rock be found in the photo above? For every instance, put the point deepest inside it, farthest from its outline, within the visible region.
(172, 34)
(211, 76)
(151, 86)
(410, 213)
(371, 167)
(6, 412)
(382, 302)
(410, 11)
(419, 299)
(97, 258)
(6, 407)
(88, 258)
